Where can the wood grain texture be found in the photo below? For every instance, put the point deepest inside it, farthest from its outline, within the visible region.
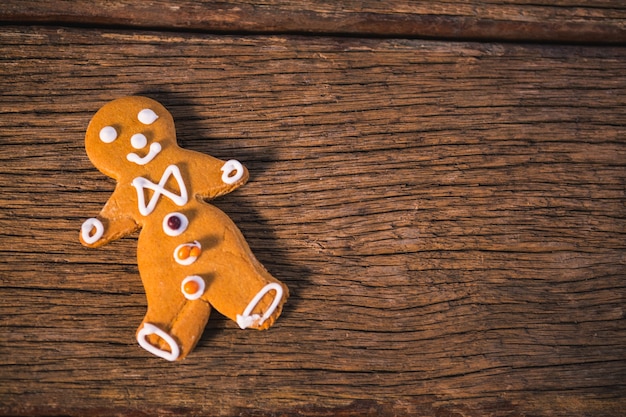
(513, 20)
(450, 219)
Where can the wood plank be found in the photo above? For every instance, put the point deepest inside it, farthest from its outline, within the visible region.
(512, 20)
(449, 217)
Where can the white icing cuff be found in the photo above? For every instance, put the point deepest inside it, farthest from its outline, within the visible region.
(87, 228)
(246, 320)
(229, 167)
(149, 329)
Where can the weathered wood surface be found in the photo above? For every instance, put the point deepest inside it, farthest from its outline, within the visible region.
(450, 218)
(514, 20)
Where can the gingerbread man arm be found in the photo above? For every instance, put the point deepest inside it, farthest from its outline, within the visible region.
(212, 177)
(113, 222)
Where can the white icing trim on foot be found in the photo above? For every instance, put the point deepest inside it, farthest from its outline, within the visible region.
(149, 329)
(246, 320)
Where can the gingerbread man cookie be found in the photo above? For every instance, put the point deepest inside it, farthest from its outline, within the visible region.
(191, 256)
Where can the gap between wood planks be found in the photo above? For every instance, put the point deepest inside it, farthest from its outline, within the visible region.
(544, 22)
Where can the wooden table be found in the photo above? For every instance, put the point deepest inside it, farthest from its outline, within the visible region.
(442, 185)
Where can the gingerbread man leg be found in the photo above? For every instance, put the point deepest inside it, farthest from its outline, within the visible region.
(255, 300)
(240, 288)
(173, 336)
(173, 323)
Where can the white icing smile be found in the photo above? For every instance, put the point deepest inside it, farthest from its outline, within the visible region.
(155, 148)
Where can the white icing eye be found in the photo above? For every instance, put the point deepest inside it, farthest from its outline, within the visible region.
(175, 223)
(108, 134)
(138, 141)
(147, 116)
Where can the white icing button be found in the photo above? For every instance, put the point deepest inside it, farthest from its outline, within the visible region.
(147, 116)
(87, 228)
(184, 257)
(138, 141)
(229, 167)
(200, 287)
(246, 320)
(175, 223)
(149, 329)
(108, 134)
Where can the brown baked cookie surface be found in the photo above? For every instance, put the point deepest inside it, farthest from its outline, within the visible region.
(191, 256)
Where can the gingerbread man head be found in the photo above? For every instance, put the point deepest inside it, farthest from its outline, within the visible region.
(128, 133)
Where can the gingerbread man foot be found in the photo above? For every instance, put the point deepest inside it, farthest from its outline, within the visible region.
(247, 319)
(149, 329)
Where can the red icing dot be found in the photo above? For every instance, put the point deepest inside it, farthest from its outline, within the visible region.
(174, 222)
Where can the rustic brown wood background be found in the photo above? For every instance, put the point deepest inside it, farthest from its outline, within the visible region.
(446, 203)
